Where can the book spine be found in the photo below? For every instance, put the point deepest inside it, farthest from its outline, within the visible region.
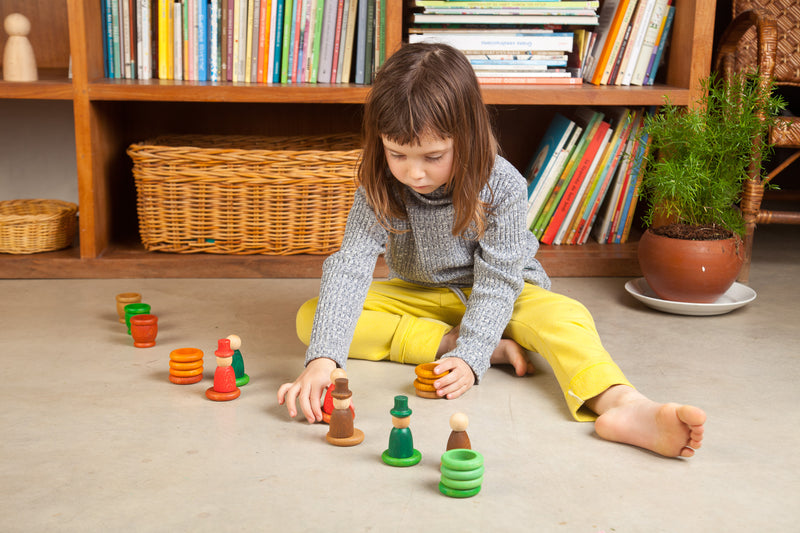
(616, 44)
(338, 40)
(177, 40)
(289, 8)
(641, 25)
(661, 46)
(369, 53)
(263, 37)
(574, 184)
(361, 40)
(317, 23)
(349, 41)
(327, 40)
(278, 41)
(202, 40)
(213, 40)
(561, 41)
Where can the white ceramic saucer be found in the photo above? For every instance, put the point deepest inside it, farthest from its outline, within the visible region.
(737, 296)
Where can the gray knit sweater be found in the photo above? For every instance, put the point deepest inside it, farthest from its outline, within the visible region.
(495, 267)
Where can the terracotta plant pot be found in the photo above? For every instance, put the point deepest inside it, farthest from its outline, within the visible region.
(690, 271)
(144, 329)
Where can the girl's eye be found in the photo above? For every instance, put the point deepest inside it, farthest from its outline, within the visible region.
(396, 156)
(434, 158)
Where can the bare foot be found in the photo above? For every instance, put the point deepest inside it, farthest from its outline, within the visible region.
(508, 352)
(629, 417)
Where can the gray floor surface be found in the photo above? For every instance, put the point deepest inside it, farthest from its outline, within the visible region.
(95, 438)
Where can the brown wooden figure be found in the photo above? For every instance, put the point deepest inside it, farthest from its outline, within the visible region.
(327, 402)
(458, 435)
(342, 432)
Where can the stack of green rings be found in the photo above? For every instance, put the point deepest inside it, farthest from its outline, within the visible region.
(462, 473)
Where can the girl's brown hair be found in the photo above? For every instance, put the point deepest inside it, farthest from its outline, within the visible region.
(428, 89)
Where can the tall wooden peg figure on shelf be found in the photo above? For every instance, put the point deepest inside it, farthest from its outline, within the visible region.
(242, 379)
(342, 432)
(224, 388)
(401, 450)
(458, 436)
(19, 61)
(327, 401)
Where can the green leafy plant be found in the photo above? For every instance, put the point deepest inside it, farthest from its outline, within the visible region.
(699, 156)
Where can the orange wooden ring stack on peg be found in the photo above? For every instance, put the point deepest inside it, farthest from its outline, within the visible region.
(185, 366)
(426, 377)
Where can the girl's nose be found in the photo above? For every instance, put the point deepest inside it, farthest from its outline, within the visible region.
(416, 172)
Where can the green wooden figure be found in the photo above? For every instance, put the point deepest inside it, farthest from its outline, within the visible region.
(401, 450)
(238, 362)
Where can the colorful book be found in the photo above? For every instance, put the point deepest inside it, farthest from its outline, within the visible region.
(202, 40)
(662, 43)
(608, 25)
(349, 42)
(608, 168)
(574, 204)
(336, 56)
(575, 181)
(589, 120)
(545, 188)
(616, 44)
(486, 41)
(640, 25)
(648, 43)
(290, 7)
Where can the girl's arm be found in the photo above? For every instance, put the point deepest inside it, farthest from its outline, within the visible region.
(346, 277)
(498, 264)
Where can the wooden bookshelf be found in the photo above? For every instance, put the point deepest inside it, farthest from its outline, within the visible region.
(110, 114)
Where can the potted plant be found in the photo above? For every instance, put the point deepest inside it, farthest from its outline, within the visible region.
(697, 161)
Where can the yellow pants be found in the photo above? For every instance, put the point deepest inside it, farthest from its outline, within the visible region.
(405, 323)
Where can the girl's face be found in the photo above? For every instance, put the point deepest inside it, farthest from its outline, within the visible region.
(424, 167)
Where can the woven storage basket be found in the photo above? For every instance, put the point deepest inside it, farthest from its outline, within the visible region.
(32, 226)
(243, 194)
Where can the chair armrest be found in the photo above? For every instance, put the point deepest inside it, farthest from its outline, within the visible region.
(766, 40)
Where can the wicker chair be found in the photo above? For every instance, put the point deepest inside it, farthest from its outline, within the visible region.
(764, 34)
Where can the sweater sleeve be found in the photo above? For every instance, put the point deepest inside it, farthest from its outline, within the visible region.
(499, 259)
(346, 277)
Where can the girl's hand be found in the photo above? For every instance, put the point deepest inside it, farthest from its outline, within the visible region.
(307, 388)
(460, 379)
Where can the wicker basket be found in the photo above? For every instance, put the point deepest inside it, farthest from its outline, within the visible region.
(243, 194)
(32, 226)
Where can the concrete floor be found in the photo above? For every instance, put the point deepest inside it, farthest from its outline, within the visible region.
(94, 437)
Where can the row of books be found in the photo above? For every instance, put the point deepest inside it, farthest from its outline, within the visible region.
(511, 41)
(250, 41)
(584, 177)
(632, 36)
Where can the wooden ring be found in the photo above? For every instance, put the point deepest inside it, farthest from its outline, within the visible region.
(423, 386)
(211, 394)
(185, 381)
(186, 355)
(425, 370)
(185, 373)
(426, 394)
(186, 366)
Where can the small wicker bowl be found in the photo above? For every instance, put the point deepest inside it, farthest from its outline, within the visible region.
(31, 226)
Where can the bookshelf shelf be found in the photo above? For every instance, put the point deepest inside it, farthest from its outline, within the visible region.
(110, 114)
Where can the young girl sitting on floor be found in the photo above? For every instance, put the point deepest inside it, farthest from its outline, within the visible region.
(448, 213)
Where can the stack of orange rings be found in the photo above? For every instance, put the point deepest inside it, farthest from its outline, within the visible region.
(185, 366)
(462, 473)
(425, 380)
